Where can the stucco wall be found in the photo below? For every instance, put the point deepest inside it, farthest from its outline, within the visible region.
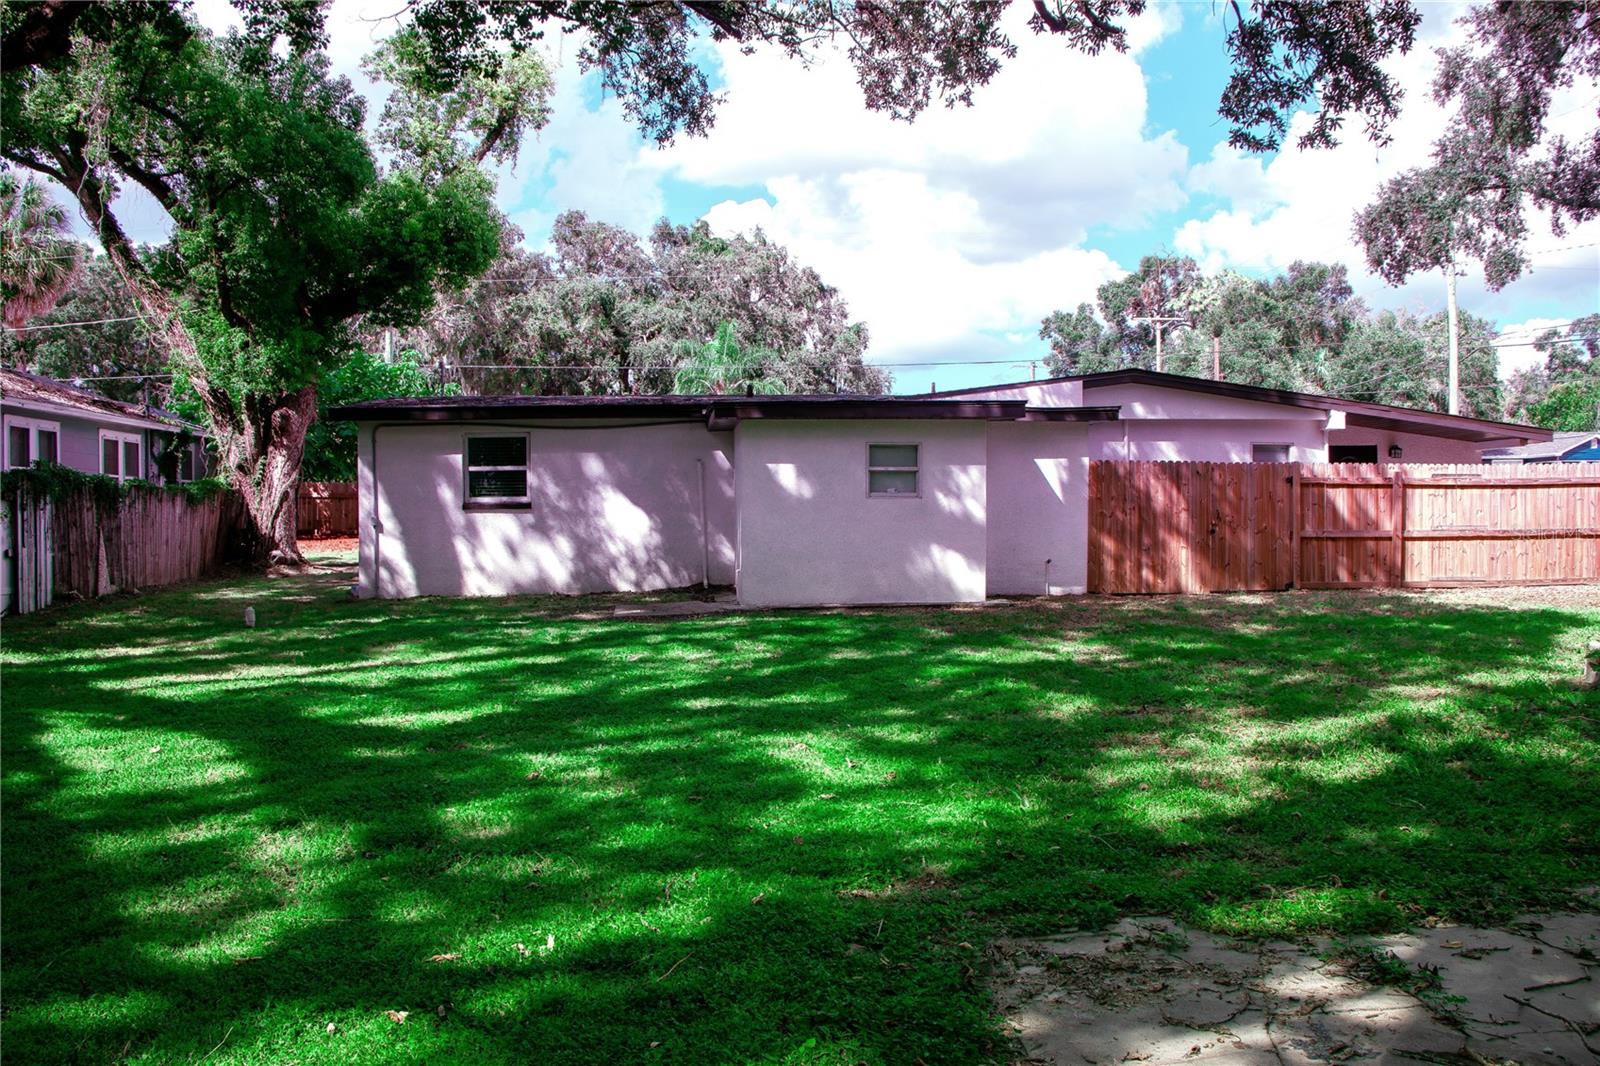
(613, 509)
(1168, 424)
(810, 534)
(1038, 508)
(1202, 440)
(1414, 447)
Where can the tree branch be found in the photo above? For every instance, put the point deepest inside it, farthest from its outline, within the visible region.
(720, 15)
(38, 165)
(1053, 22)
(43, 34)
(155, 184)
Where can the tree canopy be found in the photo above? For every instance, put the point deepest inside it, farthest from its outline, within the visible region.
(285, 228)
(1303, 330)
(1562, 389)
(604, 312)
(1497, 157)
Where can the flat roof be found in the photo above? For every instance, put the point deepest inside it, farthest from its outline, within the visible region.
(717, 412)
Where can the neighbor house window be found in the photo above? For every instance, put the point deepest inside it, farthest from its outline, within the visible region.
(1269, 453)
(32, 440)
(497, 469)
(891, 470)
(186, 463)
(121, 455)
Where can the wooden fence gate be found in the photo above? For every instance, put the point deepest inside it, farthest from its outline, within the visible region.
(1226, 527)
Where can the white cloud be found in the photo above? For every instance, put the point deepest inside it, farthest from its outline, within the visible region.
(970, 219)
(1301, 204)
(585, 161)
(1515, 352)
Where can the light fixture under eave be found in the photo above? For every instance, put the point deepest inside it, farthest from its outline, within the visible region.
(1394, 451)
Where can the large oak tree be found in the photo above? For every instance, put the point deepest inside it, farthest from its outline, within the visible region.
(285, 230)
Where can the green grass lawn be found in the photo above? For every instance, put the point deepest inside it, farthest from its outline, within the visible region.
(744, 838)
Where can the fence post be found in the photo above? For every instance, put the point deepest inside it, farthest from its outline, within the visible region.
(1397, 527)
(1294, 528)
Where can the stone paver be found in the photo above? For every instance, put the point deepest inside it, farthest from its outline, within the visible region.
(1150, 991)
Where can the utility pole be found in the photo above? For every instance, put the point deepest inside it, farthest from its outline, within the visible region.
(1160, 322)
(1454, 402)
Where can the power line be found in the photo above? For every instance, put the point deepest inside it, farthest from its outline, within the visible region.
(89, 322)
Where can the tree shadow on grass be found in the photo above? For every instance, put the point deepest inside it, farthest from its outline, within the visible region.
(749, 837)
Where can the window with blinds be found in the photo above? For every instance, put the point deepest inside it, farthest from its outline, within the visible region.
(497, 468)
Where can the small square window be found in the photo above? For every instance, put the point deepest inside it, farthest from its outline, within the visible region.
(47, 446)
(892, 469)
(1269, 453)
(497, 469)
(110, 453)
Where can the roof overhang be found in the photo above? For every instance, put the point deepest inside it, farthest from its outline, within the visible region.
(717, 412)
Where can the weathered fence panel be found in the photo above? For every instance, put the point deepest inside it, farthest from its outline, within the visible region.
(76, 544)
(326, 509)
(1221, 527)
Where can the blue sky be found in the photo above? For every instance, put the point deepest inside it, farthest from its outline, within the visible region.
(952, 237)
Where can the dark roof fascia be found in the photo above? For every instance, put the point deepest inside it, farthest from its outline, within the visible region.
(488, 408)
(873, 407)
(719, 411)
(1072, 414)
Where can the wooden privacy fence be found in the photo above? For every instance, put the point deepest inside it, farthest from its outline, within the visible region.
(75, 544)
(1230, 527)
(326, 509)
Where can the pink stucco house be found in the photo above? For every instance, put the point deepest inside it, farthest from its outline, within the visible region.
(939, 498)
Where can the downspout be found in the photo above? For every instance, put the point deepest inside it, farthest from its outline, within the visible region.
(705, 533)
(377, 522)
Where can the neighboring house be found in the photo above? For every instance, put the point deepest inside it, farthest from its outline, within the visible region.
(1168, 417)
(815, 499)
(46, 420)
(1580, 447)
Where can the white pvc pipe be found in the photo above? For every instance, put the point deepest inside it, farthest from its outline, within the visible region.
(705, 534)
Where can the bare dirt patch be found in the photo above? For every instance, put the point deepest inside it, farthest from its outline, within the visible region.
(1152, 991)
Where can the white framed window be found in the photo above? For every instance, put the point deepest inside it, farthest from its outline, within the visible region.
(121, 455)
(32, 440)
(892, 469)
(186, 463)
(495, 469)
(1271, 453)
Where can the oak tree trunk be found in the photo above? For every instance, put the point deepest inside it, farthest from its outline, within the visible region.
(260, 441)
